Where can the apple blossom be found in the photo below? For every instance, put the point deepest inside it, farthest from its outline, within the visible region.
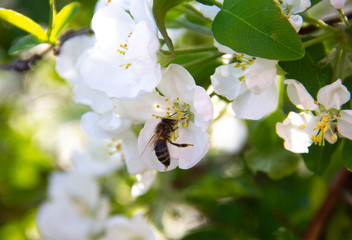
(67, 66)
(122, 228)
(123, 61)
(208, 11)
(74, 211)
(178, 98)
(321, 120)
(250, 84)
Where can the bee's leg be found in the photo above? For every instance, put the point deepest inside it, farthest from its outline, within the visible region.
(182, 145)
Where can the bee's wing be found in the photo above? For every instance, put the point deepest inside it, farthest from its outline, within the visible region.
(152, 141)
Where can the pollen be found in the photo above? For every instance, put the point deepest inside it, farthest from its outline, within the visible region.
(334, 137)
(302, 127)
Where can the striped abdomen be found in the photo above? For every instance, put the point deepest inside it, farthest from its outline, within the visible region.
(162, 152)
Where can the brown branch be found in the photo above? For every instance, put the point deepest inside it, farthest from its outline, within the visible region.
(330, 21)
(316, 227)
(23, 65)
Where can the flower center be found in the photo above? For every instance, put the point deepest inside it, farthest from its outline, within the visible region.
(324, 125)
(176, 110)
(243, 62)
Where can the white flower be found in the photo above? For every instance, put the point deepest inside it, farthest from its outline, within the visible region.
(74, 211)
(322, 120)
(338, 3)
(101, 157)
(67, 66)
(186, 105)
(123, 62)
(122, 228)
(249, 84)
(190, 111)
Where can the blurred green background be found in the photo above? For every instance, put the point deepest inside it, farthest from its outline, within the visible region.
(233, 202)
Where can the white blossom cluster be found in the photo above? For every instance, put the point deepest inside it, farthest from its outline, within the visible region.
(133, 99)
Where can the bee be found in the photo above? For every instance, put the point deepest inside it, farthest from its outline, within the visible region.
(162, 135)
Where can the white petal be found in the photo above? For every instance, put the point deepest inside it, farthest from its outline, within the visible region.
(105, 126)
(146, 147)
(223, 48)
(254, 107)
(296, 21)
(260, 75)
(141, 11)
(203, 108)
(70, 51)
(190, 156)
(131, 154)
(177, 82)
(140, 109)
(333, 95)
(296, 130)
(226, 83)
(120, 227)
(112, 25)
(97, 100)
(145, 181)
(299, 95)
(344, 124)
(297, 6)
(338, 3)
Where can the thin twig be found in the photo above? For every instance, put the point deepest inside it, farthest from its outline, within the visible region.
(316, 227)
(23, 65)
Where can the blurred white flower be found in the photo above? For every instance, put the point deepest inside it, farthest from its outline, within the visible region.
(338, 4)
(75, 209)
(123, 61)
(321, 120)
(122, 228)
(145, 181)
(208, 11)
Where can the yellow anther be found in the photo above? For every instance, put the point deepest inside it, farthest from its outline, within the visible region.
(334, 137)
(179, 113)
(237, 65)
(166, 99)
(243, 68)
(176, 109)
(338, 115)
(125, 45)
(158, 106)
(185, 125)
(187, 118)
(168, 113)
(315, 102)
(312, 137)
(173, 106)
(128, 65)
(187, 105)
(168, 108)
(302, 127)
(108, 1)
(177, 98)
(179, 117)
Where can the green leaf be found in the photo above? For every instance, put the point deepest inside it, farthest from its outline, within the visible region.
(310, 70)
(319, 157)
(24, 43)
(207, 2)
(62, 18)
(257, 28)
(24, 23)
(267, 154)
(347, 154)
(160, 8)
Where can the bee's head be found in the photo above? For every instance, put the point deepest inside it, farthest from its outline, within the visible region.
(169, 121)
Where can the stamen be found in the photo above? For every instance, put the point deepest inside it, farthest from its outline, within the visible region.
(334, 137)
(302, 127)
(166, 99)
(158, 106)
(177, 98)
